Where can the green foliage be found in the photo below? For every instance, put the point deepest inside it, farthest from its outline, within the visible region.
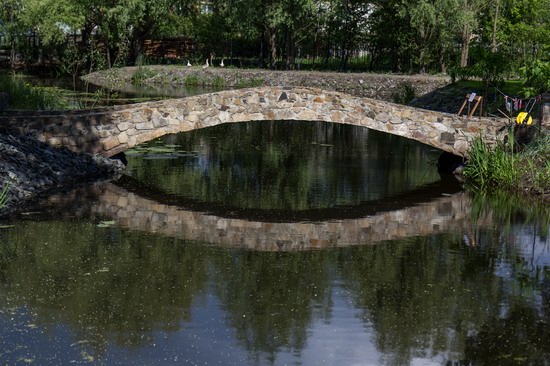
(502, 167)
(405, 94)
(393, 35)
(25, 96)
(142, 74)
(488, 166)
(537, 75)
(492, 67)
(218, 82)
(193, 80)
(241, 83)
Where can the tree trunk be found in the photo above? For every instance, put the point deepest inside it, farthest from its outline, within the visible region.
(262, 61)
(494, 40)
(12, 53)
(465, 46)
(442, 65)
(273, 47)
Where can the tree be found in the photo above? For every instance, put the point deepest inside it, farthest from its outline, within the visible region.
(348, 26)
(11, 25)
(469, 21)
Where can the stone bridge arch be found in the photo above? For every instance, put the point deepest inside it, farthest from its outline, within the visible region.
(109, 131)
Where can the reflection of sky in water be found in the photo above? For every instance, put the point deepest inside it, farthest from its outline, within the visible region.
(207, 339)
(348, 327)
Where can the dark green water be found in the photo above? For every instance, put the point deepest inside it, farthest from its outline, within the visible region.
(122, 274)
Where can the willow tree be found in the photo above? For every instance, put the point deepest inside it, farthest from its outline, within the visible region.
(11, 25)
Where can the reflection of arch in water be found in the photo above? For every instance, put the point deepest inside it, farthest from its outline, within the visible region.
(419, 195)
(135, 212)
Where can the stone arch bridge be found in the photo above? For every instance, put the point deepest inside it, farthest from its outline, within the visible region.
(112, 130)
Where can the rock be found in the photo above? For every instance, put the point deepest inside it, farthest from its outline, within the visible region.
(32, 168)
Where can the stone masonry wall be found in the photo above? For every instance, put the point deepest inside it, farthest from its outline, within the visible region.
(109, 131)
(378, 86)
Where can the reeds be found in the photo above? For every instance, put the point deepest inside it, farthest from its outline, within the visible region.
(503, 167)
(23, 95)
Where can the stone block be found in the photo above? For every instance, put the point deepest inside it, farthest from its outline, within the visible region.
(307, 115)
(145, 126)
(123, 137)
(160, 122)
(104, 134)
(123, 126)
(110, 143)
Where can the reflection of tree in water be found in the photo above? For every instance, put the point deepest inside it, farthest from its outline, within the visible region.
(272, 298)
(421, 296)
(426, 296)
(123, 288)
(522, 338)
(291, 165)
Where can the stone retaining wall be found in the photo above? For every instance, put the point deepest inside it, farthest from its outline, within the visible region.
(378, 86)
(110, 131)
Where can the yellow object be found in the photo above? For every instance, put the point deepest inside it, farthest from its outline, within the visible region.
(524, 117)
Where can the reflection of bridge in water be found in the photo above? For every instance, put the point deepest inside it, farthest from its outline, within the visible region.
(432, 213)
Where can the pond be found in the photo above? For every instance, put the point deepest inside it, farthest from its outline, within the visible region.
(276, 243)
(80, 94)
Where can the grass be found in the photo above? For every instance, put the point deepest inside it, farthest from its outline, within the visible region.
(503, 167)
(193, 80)
(4, 195)
(141, 74)
(218, 82)
(23, 95)
(495, 97)
(241, 83)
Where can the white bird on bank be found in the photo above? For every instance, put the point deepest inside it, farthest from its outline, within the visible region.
(221, 63)
(205, 65)
(188, 63)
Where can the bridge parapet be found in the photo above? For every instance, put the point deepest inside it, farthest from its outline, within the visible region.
(109, 131)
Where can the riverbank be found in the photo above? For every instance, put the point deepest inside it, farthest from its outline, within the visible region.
(526, 172)
(387, 87)
(33, 169)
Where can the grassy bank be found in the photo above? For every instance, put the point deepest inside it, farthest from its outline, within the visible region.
(526, 172)
(23, 95)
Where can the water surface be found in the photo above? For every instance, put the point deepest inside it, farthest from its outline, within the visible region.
(276, 243)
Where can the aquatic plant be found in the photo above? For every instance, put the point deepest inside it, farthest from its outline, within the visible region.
(503, 167)
(141, 74)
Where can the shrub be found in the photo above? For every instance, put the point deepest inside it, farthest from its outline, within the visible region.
(404, 94)
(192, 80)
(218, 82)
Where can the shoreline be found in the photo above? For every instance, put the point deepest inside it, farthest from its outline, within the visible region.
(33, 169)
